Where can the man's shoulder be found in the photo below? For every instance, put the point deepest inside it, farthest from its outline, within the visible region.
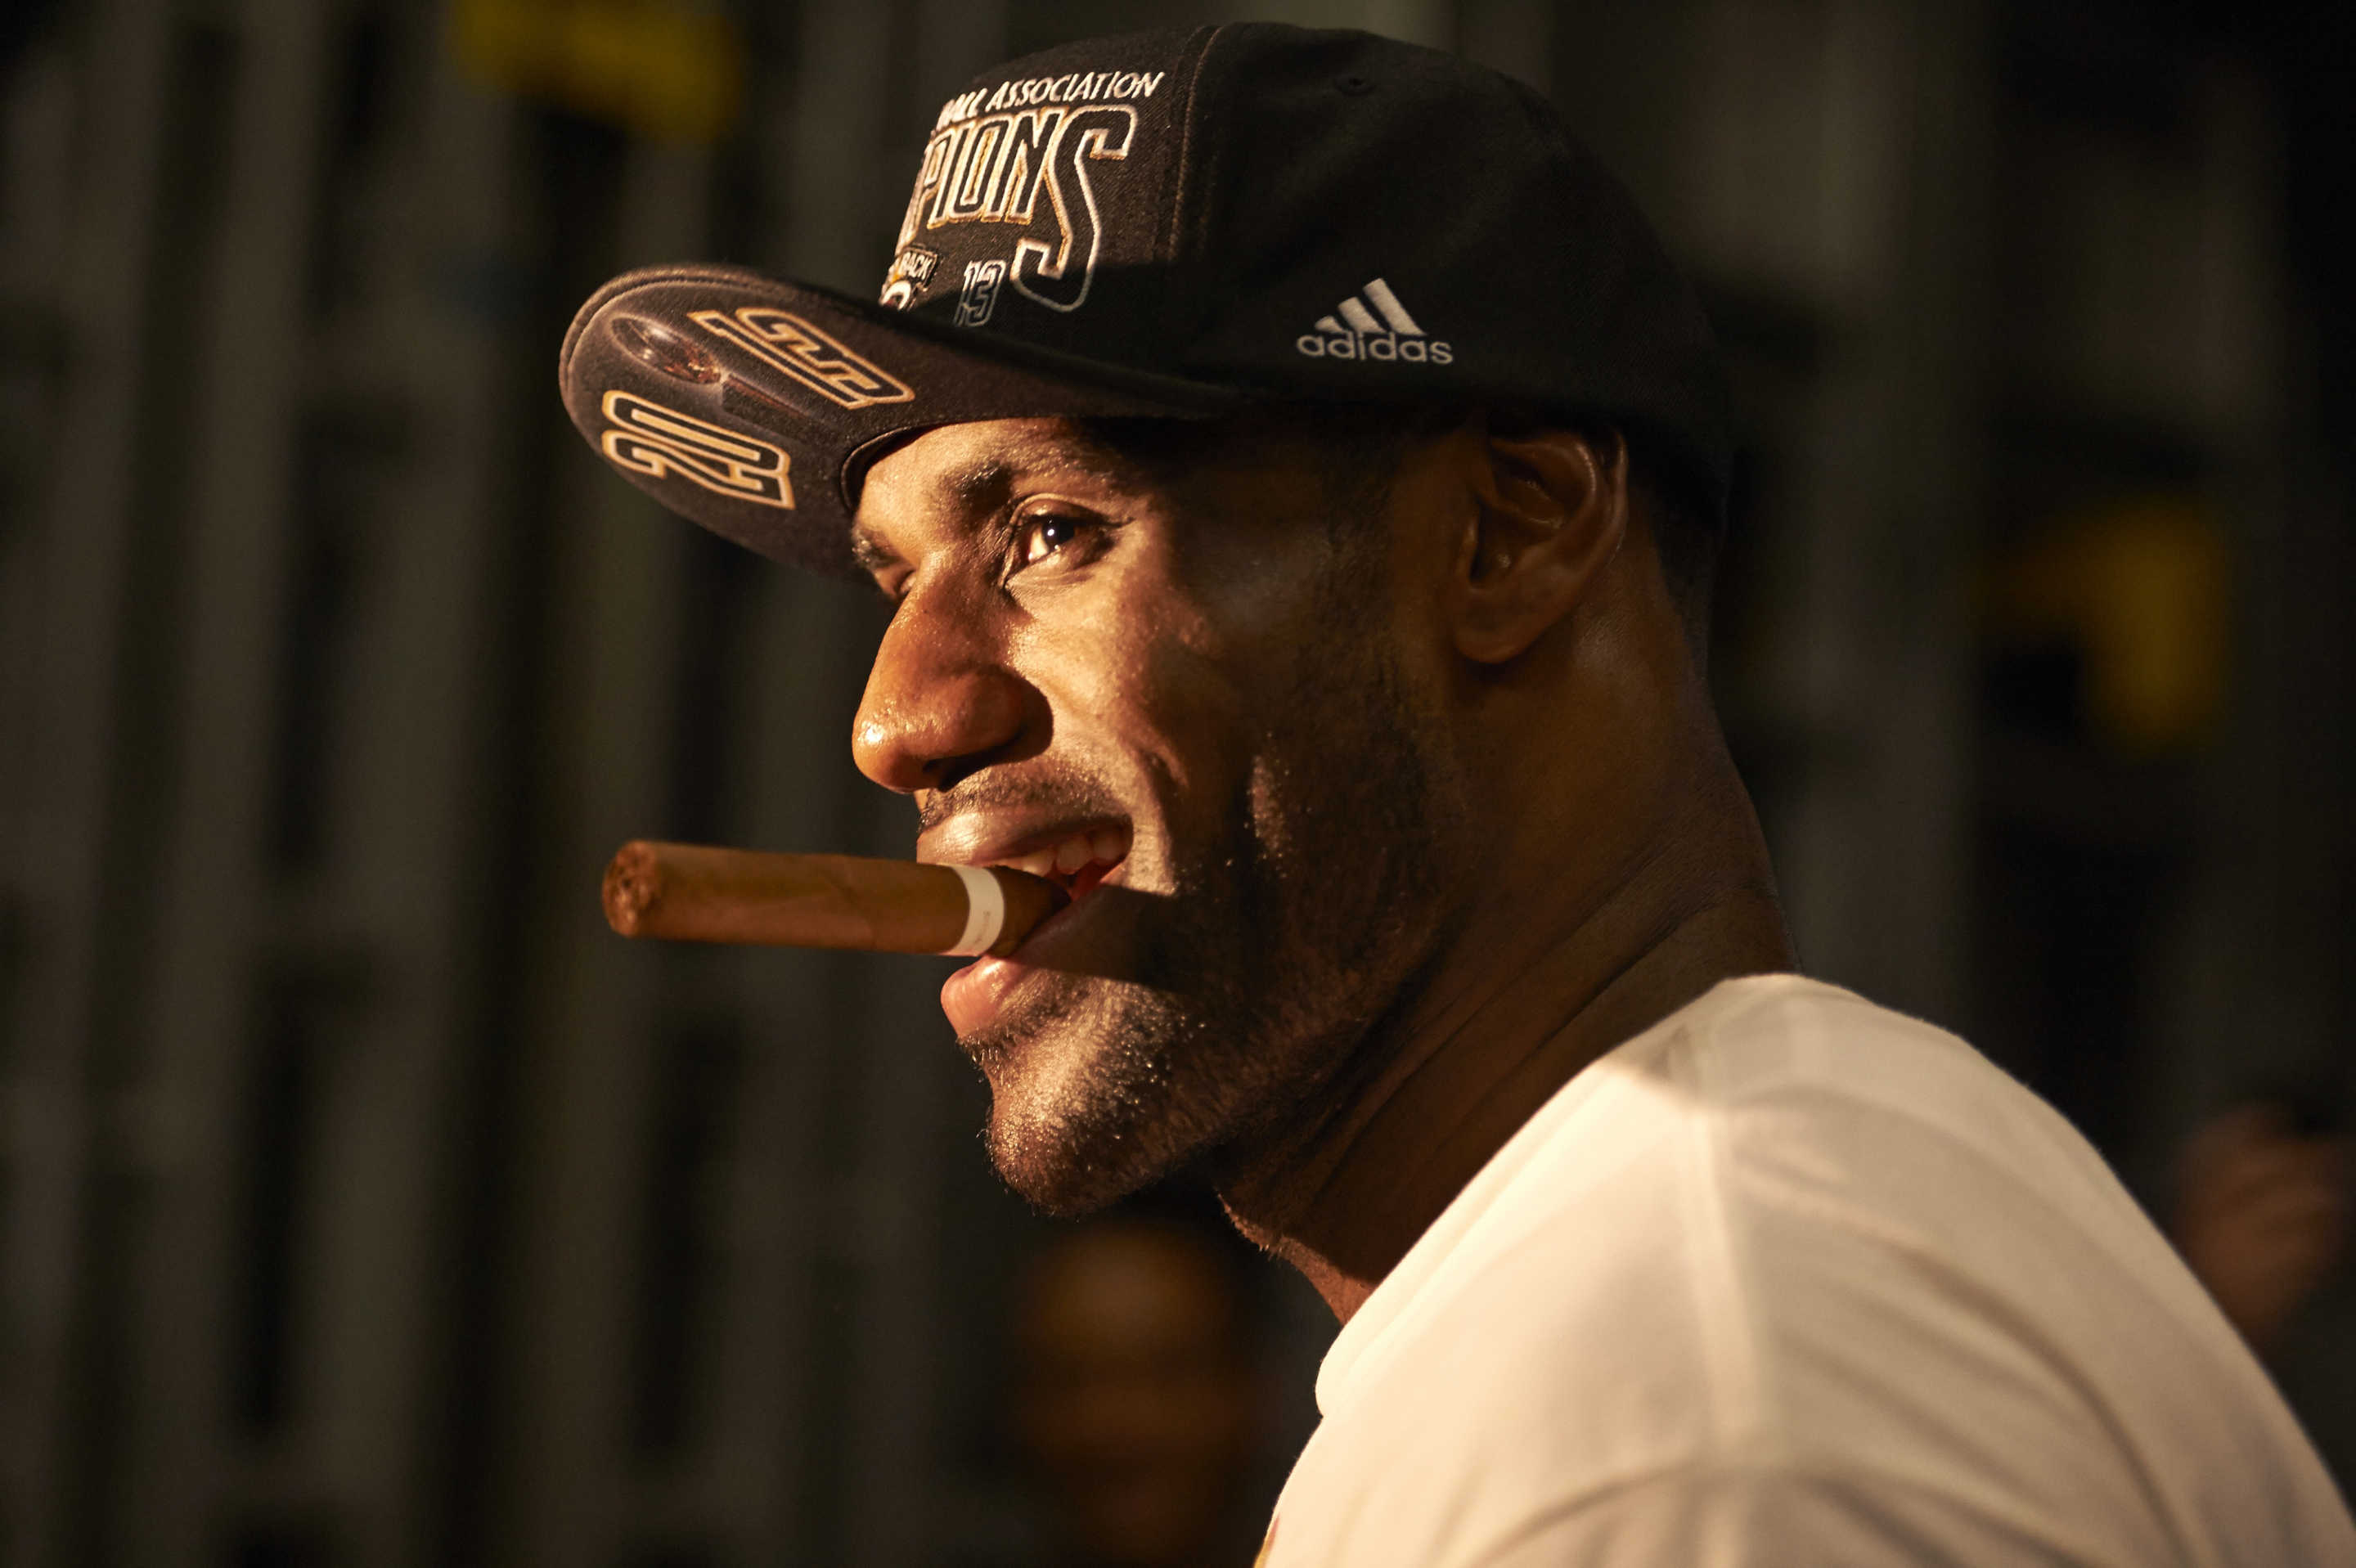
(1631, 1173)
(1778, 1147)
(1814, 1109)
(1608, 1257)
(1764, 1034)
(1789, 1222)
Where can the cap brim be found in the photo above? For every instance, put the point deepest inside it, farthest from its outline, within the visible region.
(747, 403)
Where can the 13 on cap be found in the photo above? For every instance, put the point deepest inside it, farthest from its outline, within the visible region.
(1165, 224)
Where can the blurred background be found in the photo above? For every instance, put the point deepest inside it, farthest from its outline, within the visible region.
(364, 1203)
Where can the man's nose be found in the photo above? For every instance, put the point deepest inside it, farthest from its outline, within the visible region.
(939, 703)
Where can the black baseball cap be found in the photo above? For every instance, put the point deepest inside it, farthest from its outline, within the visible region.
(1167, 224)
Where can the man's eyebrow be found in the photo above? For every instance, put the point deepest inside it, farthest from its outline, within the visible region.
(868, 553)
(982, 482)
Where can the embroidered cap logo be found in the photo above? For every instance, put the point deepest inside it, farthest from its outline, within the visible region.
(992, 153)
(1395, 335)
(785, 342)
(647, 438)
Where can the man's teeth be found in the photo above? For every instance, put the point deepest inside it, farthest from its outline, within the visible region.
(1104, 845)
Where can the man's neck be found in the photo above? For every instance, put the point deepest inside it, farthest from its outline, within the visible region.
(1515, 1011)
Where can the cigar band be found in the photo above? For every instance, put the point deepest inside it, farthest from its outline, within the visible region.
(985, 912)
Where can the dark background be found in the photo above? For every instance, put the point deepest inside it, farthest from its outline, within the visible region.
(362, 1202)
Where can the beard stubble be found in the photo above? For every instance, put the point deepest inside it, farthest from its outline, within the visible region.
(1282, 948)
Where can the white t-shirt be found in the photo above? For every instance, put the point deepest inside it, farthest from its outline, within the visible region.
(1791, 1281)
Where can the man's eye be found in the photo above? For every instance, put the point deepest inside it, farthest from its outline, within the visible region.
(1046, 536)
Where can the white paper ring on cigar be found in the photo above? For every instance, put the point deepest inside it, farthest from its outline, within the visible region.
(985, 912)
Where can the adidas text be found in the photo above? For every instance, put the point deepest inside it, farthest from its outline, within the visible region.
(1378, 346)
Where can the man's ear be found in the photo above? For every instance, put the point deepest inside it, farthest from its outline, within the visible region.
(1550, 510)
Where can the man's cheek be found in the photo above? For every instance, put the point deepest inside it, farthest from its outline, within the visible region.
(1192, 720)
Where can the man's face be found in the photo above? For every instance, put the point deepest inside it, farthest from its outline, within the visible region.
(1188, 687)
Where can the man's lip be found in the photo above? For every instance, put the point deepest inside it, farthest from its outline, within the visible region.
(973, 998)
(995, 840)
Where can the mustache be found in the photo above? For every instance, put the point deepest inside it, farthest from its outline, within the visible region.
(1061, 794)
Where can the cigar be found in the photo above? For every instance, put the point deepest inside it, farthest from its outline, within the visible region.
(692, 892)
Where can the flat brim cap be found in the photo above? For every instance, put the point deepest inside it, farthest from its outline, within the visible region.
(1167, 224)
(747, 403)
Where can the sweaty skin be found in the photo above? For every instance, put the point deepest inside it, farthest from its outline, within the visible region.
(1424, 803)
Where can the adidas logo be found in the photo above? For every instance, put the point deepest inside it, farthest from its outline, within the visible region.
(1383, 332)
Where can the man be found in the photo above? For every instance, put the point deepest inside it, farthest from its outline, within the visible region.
(2261, 1212)
(1296, 469)
(1137, 1403)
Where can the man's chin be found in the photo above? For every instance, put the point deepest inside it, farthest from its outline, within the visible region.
(1082, 1113)
(1071, 1154)
(1058, 1186)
